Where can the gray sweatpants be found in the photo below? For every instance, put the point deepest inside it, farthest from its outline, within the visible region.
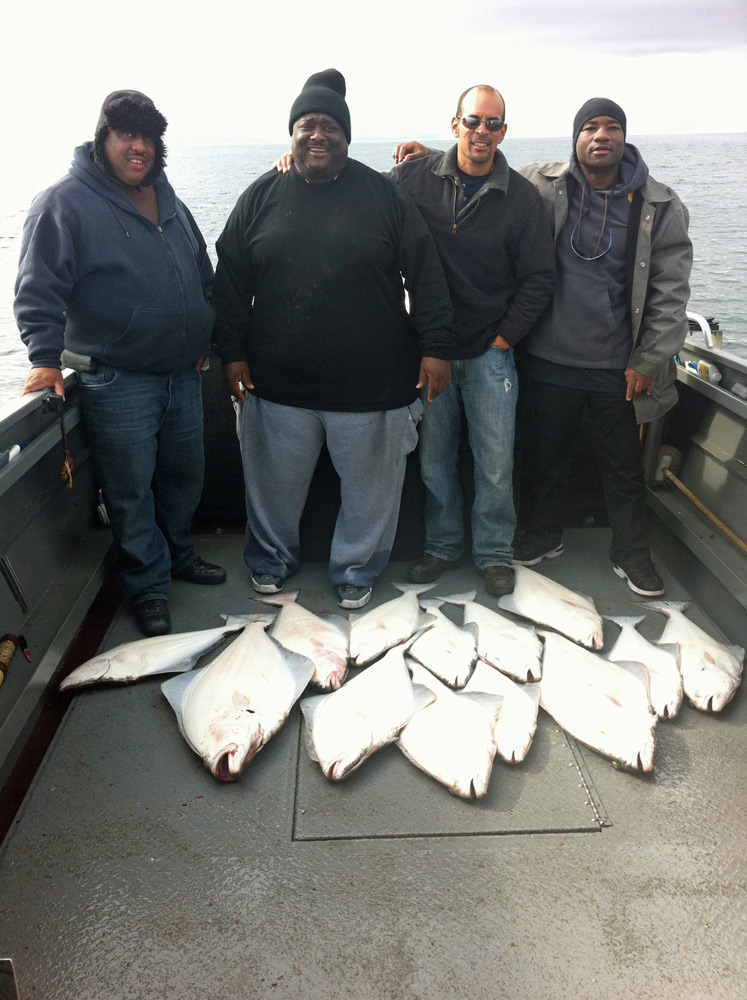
(280, 446)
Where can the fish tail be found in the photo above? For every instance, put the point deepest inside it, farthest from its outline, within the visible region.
(415, 588)
(625, 619)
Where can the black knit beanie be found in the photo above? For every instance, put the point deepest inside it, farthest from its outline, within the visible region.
(130, 111)
(592, 109)
(324, 93)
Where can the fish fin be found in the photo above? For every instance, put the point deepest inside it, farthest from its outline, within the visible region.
(422, 696)
(309, 708)
(625, 619)
(491, 703)
(464, 598)
(174, 689)
(664, 606)
(286, 597)
(431, 602)
(236, 621)
(474, 630)
(638, 670)
(737, 651)
(301, 667)
(340, 623)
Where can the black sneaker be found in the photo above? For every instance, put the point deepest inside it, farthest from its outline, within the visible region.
(353, 597)
(528, 552)
(265, 583)
(642, 578)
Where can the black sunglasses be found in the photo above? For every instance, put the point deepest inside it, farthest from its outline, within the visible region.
(472, 121)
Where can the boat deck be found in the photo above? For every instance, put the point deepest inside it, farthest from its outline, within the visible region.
(130, 872)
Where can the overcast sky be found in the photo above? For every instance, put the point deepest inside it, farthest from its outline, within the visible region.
(225, 70)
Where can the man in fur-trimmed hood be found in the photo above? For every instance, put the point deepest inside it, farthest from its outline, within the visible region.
(113, 281)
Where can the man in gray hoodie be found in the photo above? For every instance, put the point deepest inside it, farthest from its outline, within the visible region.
(606, 341)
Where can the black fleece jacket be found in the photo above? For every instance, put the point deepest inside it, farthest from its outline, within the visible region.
(496, 249)
(309, 290)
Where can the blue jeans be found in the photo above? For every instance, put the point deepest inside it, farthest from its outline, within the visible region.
(486, 389)
(280, 446)
(146, 435)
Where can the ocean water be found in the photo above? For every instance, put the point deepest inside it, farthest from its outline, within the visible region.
(707, 171)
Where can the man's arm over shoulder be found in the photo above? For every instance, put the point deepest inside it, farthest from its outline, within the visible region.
(664, 300)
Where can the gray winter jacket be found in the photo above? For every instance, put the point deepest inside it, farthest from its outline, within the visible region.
(658, 277)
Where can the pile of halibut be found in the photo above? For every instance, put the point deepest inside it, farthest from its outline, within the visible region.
(450, 696)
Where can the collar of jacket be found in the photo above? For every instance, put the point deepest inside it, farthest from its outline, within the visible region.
(652, 191)
(497, 180)
(86, 171)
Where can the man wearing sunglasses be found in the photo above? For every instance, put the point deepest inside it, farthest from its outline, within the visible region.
(607, 342)
(495, 244)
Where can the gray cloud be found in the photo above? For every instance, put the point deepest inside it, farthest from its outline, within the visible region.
(627, 27)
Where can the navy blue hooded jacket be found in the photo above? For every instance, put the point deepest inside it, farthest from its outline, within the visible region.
(98, 278)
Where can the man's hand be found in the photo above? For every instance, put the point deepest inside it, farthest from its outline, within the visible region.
(283, 163)
(44, 378)
(204, 363)
(437, 374)
(502, 343)
(237, 378)
(411, 150)
(638, 383)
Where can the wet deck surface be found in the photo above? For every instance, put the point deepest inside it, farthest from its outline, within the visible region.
(130, 872)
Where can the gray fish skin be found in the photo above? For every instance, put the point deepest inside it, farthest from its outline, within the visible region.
(229, 709)
(381, 628)
(548, 603)
(601, 704)
(516, 724)
(346, 727)
(323, 640)
(660, 661)
(451, 739)
(131, 661)
(513, 649)
(446, 650)
(711, 672)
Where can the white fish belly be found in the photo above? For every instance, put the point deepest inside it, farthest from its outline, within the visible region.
(513, 649)
(516, 725)
(131, 661)
(446, 650)
(599, 703)
(323, 643)
(665, 680)
(711, 672)
(349, 725)
(548, 603)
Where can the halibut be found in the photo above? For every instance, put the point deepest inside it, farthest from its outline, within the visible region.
(603, 705)
(161, 654)
(451, 739)
(549, 603)
(228, 710)
(516, 724)
(665, 680)
(346, 727)
(377, 630)
(711, 672)
(513, 649)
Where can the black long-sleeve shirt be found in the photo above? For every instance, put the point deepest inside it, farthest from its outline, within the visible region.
(309, 291)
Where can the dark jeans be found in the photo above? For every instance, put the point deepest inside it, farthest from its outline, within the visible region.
(146, 434)
(557, 413)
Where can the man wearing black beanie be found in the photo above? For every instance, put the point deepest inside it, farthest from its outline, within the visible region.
(318, 347)
(606, 342)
